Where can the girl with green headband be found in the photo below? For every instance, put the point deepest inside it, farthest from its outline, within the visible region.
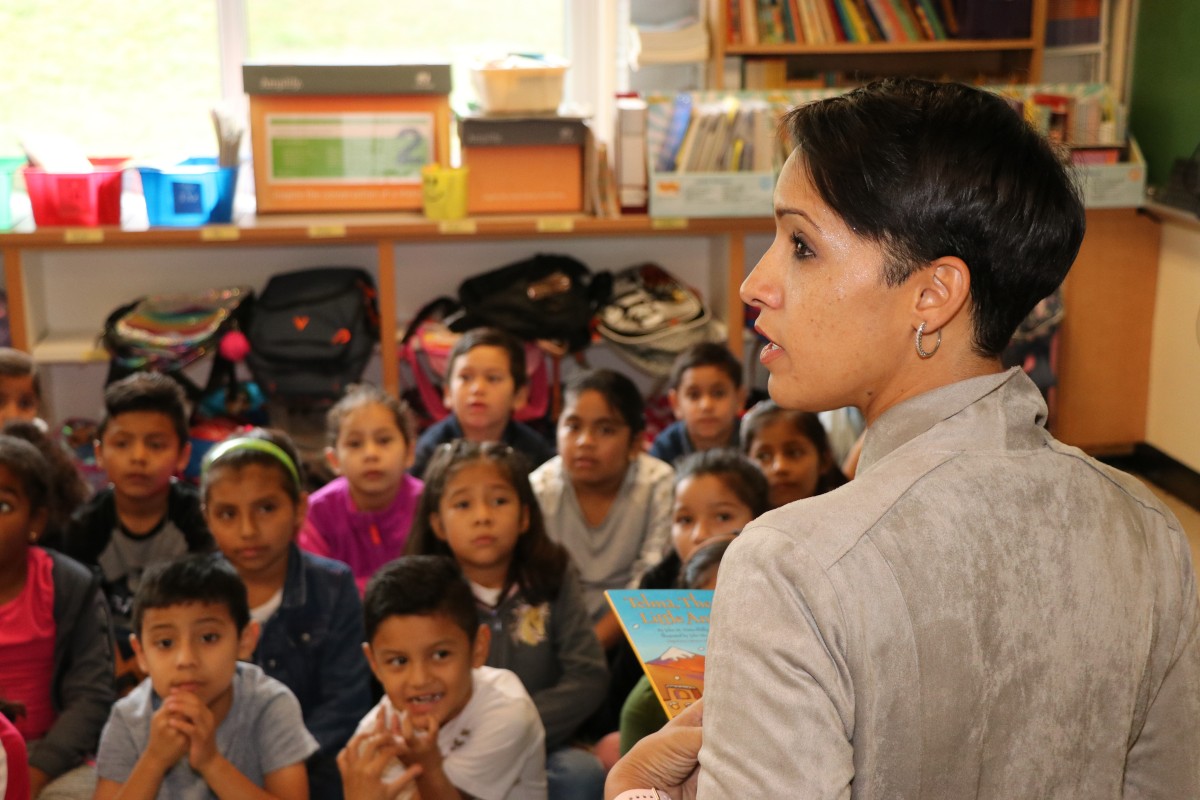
(307, 605)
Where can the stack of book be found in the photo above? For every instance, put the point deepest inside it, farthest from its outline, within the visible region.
(679, 42)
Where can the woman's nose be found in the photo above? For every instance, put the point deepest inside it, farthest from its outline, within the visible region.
(757, 289)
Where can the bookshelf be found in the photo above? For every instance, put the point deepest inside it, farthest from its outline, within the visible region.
(1004, 60)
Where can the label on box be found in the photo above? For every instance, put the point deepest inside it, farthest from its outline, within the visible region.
(349, 147)
(337, 79)
(187, 198)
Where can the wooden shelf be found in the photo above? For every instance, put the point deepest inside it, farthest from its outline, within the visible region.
(384, 231)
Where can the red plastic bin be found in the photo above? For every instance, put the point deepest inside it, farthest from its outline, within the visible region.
(82, 198)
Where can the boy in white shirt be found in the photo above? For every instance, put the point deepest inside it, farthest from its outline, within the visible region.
(472, 730)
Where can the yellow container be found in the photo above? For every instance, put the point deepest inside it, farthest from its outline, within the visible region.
(444, 191)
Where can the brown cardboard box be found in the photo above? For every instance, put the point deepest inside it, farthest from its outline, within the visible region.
(346, 137)
(520, 165)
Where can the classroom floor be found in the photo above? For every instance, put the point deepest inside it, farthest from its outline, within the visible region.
(1188, 516)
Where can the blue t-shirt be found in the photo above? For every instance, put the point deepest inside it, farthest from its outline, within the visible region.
(263, 732)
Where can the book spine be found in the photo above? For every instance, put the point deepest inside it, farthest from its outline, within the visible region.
(749, 22)
(907, 23)
(801, 34)
(935, 22)
(845, 13)
(887, 21)
(733, 22)
(789, 23)
(840, 32)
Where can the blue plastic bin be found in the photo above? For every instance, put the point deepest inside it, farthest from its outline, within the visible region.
(194, 192)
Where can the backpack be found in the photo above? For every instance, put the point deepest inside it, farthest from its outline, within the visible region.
(167, 333)
(424, 353)
(653, 317)
(312, 333)
(543, 297)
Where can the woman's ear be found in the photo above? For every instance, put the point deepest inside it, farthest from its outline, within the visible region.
(248, 640)
(943, 290)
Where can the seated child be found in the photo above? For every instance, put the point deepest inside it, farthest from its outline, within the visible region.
(478, 508)
(471, 729)
(307, 606)
(362, 517)
(68, 490)
(642, 714)
(485, 383)
(145, 516)
(56, 660)
(717, 493)
(792, 449)
(203, 723)
(604, 500)
(707, 396)
(20, 389)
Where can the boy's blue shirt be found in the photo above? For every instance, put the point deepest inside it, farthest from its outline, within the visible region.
(673, 442)
(517, 435)
(313, 645)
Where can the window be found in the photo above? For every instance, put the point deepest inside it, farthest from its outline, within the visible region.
(138, 78)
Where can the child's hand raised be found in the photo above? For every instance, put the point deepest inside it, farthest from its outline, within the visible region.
(191, 717)
(167, 743)
(421, 737)
(367, 756)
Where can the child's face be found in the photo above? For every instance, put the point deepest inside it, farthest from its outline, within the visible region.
(595, 442)
(19, 523)
(424, 663)
(481, 391)
(192, 647)
(372, 453)
(705, 507)
(708, 402)
(18, 398)
(789, 459)
(141, 451)
(253, 518)
(480, 518)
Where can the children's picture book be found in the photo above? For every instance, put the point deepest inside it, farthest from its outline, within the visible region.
(668, 630)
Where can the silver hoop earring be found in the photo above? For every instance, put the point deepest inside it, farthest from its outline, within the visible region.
(921, 350)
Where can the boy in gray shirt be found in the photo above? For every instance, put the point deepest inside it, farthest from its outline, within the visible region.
(202, 724)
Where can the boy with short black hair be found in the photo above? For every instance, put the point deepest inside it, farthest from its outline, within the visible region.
(145, 516)
(485, 383)
(707, 396)
(472, 729)
(202, 723)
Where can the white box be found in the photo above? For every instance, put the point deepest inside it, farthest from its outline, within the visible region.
(517, 85)
(1120, 185)
(712, 194)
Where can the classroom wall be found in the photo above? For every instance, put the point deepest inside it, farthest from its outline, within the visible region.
(1164, 113)
(1172, 421)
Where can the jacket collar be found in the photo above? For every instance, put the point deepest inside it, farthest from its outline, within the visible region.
(1005, 407)
(295, 587)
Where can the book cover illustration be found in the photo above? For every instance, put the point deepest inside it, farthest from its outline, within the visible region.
(668, 630)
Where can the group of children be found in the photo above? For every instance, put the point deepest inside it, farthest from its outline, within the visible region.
(433, 619)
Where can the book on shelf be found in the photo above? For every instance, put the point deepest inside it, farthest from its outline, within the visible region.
(733, 22)
(668, 631)
(1072, 22)
(749, 17)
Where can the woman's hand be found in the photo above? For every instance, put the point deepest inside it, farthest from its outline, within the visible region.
(667, 760)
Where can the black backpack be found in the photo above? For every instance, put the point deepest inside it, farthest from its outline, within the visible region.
(543, 297)
(312, 333)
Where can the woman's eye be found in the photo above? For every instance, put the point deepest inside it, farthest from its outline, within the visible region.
(800, 248)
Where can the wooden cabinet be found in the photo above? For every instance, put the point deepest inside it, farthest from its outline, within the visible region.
(994, 60)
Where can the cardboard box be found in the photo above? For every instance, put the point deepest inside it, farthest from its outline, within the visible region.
(711, 194)
(520, 165)
(1121, 185)
(346, 137)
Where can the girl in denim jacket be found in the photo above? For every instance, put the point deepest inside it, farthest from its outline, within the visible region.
(308, 606)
